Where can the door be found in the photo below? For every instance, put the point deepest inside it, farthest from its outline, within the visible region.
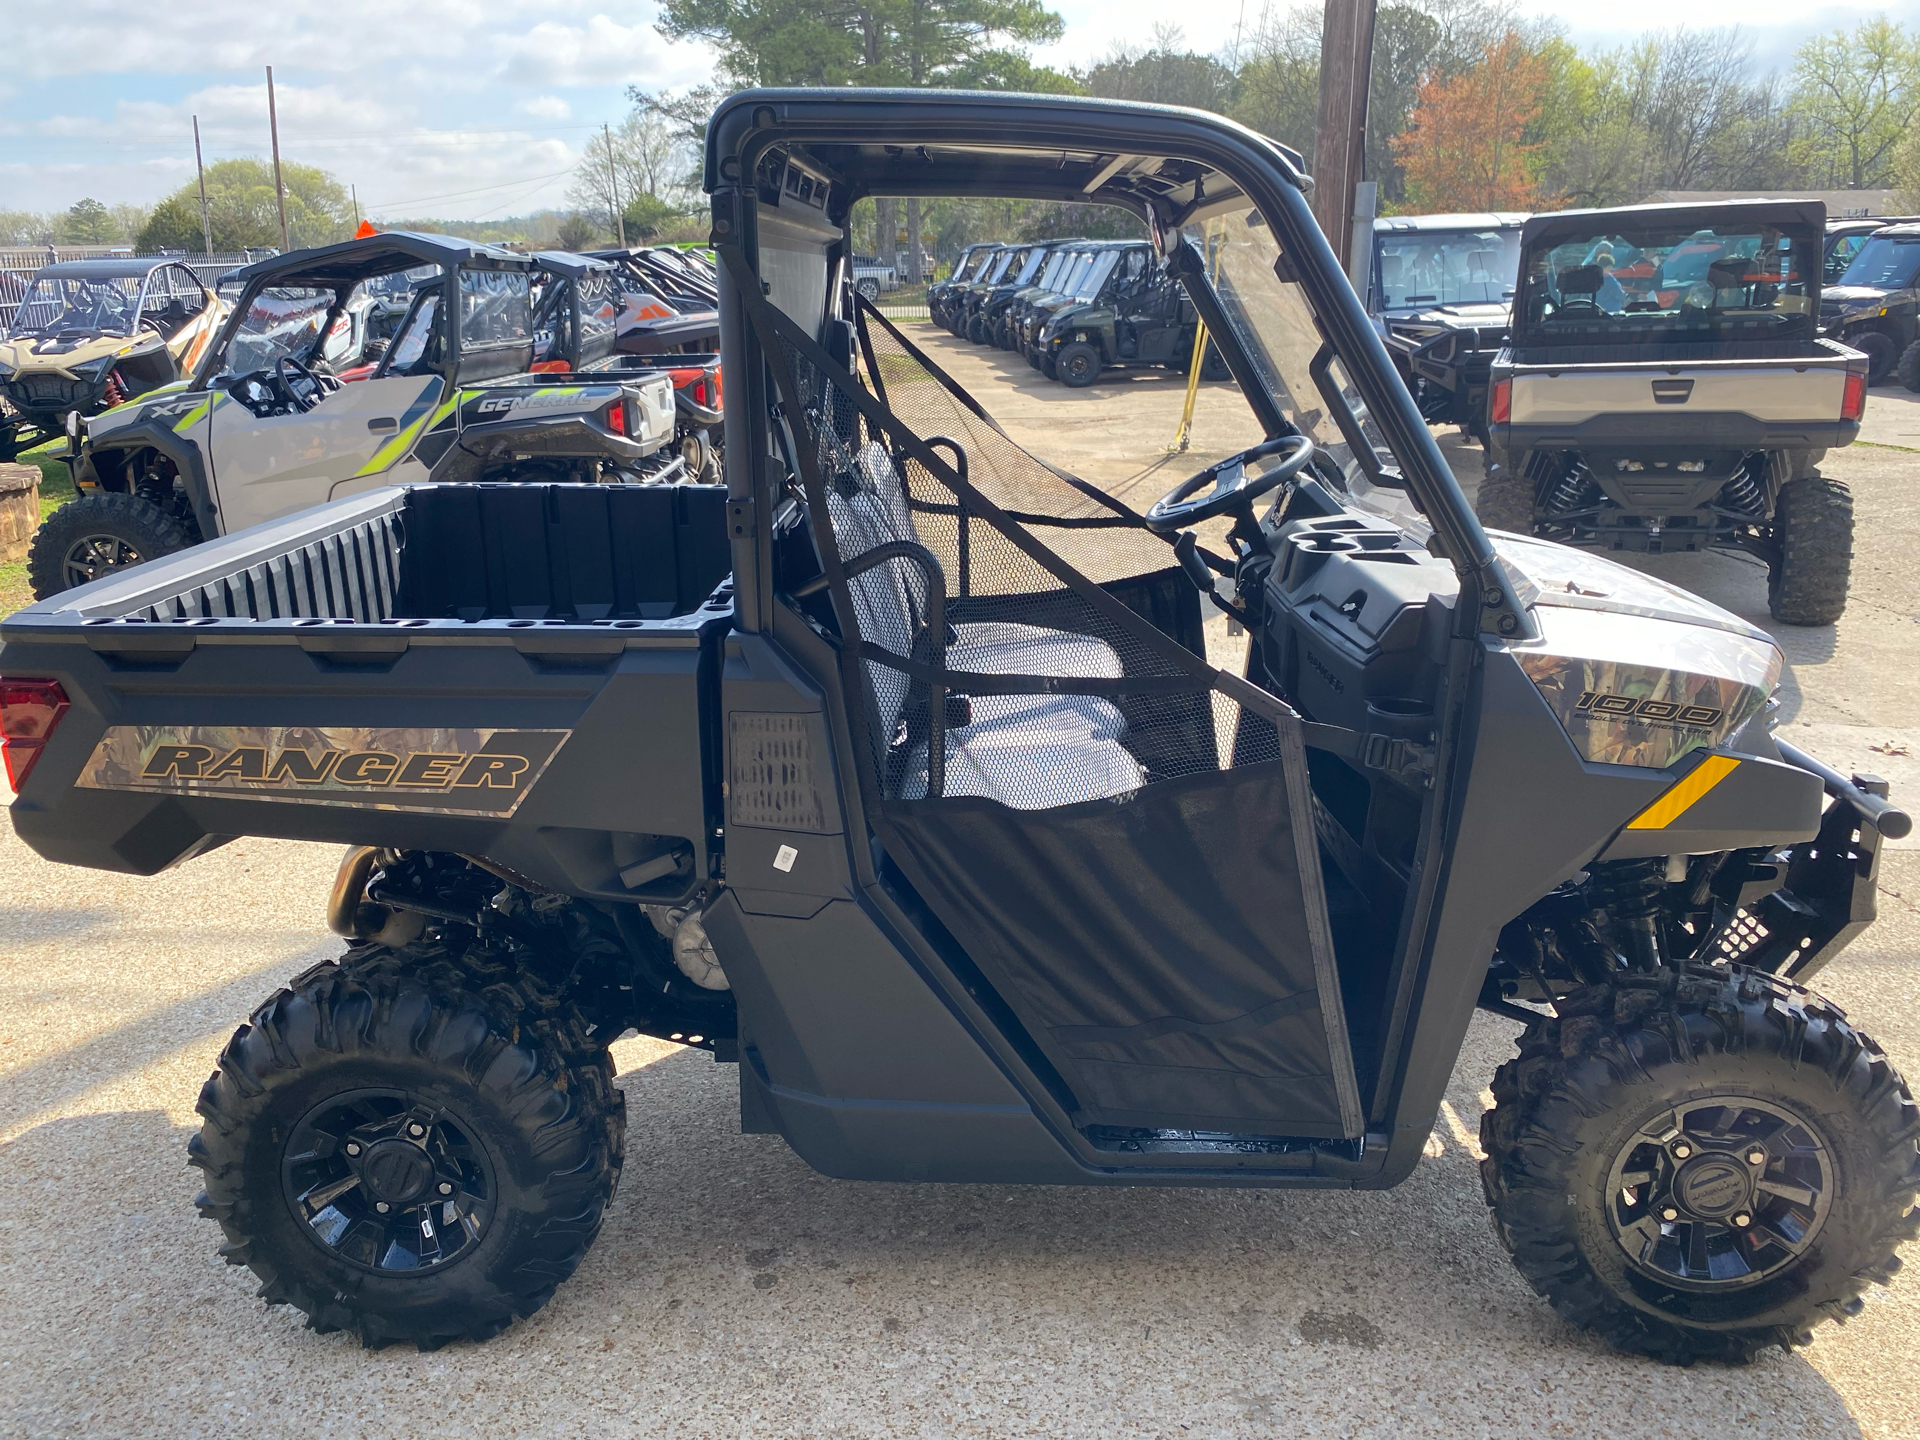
(1120, 837)
(266, 468)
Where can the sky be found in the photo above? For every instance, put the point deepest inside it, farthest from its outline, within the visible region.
(469, 109)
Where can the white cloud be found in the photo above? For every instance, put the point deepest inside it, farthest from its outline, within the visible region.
(546, 107)
(601, 52)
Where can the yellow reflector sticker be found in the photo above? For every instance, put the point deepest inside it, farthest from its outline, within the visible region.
(1675, 803)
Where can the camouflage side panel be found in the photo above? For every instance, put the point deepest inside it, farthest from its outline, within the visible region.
(1630, 690)
(444, 772)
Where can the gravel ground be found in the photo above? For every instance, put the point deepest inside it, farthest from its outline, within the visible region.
(734, 1292)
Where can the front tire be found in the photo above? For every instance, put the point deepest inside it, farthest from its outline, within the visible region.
(1813, 535)
(1702, 1163)
(411, 1144)
(869, 288)
(98, 535)
(1881, 352)
(1077, 365)
(1908, 370)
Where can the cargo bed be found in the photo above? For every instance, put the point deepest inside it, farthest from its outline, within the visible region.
(409, 668)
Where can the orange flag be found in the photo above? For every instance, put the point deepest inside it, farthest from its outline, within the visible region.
(365, 231)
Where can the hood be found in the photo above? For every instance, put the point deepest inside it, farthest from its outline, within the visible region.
(46, 354)
(1638, 672)
(1851, 297)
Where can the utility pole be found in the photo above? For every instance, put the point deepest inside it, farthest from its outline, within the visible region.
(206, 224)
(613, 187)
(354, 190)
(279, 186)
(1340, 136)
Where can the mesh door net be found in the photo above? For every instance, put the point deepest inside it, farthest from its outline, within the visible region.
(1116, 832)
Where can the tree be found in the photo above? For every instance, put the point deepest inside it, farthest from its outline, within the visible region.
(1464, 147)
(578, 233)
(87, 222)
(240, 203)
(967, 44)
(1859, 94)
(174, 224)
(1906, 170)
(1278, 88)
(648, 157)
(1163, 74)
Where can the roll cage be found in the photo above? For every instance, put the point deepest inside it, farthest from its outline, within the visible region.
(339, 268)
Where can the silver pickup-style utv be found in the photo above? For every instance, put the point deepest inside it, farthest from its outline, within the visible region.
(1665, 388)
(899, 776)
(265, 426)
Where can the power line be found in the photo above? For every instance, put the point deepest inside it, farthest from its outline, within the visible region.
(477, 190)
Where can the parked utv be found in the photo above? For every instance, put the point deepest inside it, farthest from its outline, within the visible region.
(91, 334)
(990, 301)
(669, 301)
(964, 267)
(964, 300)
(933, 816)
(1664, 390)
(1004, 301)
(264, 428)
(1137, 314)
(1875, 307)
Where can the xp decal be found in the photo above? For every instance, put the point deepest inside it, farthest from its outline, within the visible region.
(460, 772)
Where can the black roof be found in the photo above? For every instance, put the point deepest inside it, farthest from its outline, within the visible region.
(566, 262)
(113, 267)
(1808, 216)
(352, 261)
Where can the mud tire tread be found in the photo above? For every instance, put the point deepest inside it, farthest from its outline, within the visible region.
(152, 530)
(1608, 1045)
(460, 1009)
(1813, 523)
(1908, 370)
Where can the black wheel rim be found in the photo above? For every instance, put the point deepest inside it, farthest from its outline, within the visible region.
(1720, 1193)
(388, 1183)
(1078, 366)
(92, 556)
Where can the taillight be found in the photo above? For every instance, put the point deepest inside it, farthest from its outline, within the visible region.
(1853, 401)
(1500, 408)
(617, 417)
(29, 709)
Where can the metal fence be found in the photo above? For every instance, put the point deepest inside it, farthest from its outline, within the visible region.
(19, 264)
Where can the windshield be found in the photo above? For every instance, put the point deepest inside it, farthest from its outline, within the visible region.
(1730, 282)
(1445, 267)
(999, 267)
(496, 309)
(1047, 275)
(1887, 262)
(282, 321)
(1095, 275)
(1276, 327)
(68, 305)
(1029, 263)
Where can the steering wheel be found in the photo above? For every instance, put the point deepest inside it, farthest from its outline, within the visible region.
(285, 370)
(1233, 489)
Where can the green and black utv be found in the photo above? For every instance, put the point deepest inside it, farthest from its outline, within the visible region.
(899, 778)
(1136, 314)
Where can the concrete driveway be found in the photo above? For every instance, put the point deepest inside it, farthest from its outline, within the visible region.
(736, 1293)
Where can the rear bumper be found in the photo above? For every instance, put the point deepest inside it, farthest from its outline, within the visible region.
(1679, 431)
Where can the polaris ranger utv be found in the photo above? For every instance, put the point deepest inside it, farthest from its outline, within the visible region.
(1664, 389)
(933, 816)
(264, 428)
(1137, 314)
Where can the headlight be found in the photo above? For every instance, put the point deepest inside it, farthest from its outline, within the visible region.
(96, 370)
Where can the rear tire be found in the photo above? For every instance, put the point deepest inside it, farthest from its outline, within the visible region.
(1813, 530)
(977, 330)
(1077, 365)
(1505, 501)
(1213, 365)
(98, 535)
(522, 1127)
(1632, 1069)
(1881, 352)
(1908, 370)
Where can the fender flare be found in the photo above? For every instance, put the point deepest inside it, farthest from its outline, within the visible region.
(186, 456)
